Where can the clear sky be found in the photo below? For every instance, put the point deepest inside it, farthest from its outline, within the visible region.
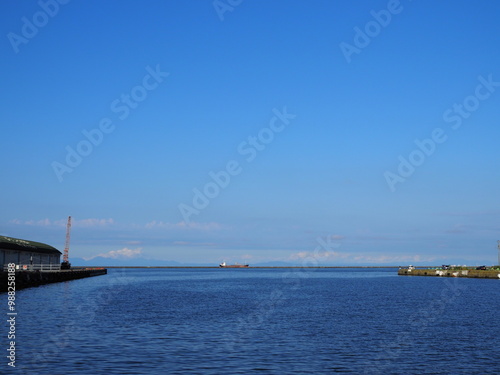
(334, 132)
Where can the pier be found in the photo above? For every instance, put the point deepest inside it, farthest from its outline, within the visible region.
(28, 279)
(492, 273)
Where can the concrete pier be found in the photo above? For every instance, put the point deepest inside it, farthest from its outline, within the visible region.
(27, 279)
(470, 273)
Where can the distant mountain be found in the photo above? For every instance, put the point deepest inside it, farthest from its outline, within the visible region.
(110, 262)
(275, 264)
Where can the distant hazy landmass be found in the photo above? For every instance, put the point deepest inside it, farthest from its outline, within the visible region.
(144, 262)
(138, 262)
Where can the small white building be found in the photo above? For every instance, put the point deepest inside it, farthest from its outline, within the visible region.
(29, 255)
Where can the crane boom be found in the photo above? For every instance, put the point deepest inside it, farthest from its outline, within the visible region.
(498, 242)
(65, 263)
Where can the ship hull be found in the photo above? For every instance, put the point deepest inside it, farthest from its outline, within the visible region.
(234, 266)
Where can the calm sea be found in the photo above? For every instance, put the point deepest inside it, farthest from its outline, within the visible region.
(257, 321)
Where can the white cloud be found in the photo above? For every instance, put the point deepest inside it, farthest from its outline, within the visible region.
(87, 223)
(337, 237)
(93, 222)
(124, 253)
(38, 223)
(319, 255)
(184, 226)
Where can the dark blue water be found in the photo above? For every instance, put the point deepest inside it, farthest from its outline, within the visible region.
(257, 321)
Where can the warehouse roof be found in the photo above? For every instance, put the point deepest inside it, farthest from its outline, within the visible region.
(9, 243)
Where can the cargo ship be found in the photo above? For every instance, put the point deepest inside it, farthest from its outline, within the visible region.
(224, 265)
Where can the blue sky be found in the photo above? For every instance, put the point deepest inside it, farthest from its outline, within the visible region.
(371, 127)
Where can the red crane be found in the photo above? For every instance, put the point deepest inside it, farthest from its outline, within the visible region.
(65, 263)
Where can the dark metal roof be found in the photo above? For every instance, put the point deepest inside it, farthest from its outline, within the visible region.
(9, 243)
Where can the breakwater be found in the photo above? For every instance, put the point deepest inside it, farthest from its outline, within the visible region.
(272, 267)
(470, 273)
(27, 279)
